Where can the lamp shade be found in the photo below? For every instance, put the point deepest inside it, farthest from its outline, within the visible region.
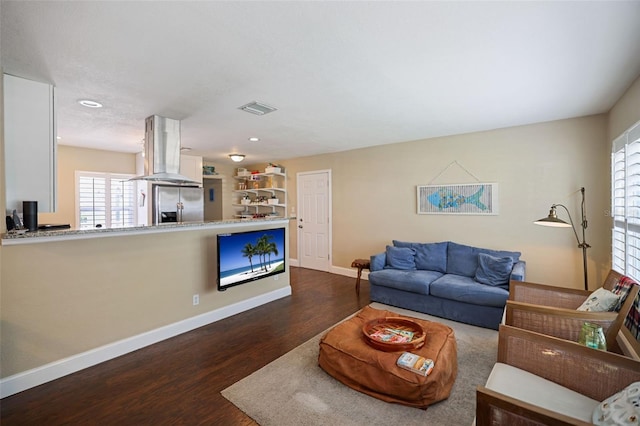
(552, 220)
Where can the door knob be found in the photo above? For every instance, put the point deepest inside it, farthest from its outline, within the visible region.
(300, 226)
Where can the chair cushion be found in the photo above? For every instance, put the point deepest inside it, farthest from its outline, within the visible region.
(429, 256)
(401, 257)
(494, 271)
(540, 392)
(623, 408)
(601, 300)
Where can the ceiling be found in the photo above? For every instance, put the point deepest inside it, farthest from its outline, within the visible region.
(342, 75)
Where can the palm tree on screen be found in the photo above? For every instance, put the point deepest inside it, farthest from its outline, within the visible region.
(273, 248)
(263, 249)
(248, 251)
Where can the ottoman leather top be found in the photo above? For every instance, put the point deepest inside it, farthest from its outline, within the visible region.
(346, 356)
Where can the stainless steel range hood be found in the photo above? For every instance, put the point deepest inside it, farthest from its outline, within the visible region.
(162, 152)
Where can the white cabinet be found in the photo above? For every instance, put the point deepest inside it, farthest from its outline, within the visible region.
(143, 194)
(191, 167)
(261, 195)
(29, 143)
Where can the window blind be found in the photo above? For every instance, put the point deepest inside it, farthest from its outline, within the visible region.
(105, 199)
(625, 203)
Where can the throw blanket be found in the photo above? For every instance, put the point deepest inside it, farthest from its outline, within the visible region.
(632, 322)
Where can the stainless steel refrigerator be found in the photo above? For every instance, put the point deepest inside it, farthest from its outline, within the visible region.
(176, 204)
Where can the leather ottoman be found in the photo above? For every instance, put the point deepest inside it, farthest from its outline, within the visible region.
(346, 356)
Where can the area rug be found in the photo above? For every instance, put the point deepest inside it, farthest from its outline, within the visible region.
(294, 390)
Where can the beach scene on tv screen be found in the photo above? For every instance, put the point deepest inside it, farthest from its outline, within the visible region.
(250, 255)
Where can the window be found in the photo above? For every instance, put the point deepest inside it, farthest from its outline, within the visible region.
(625, 202)
(105, 199)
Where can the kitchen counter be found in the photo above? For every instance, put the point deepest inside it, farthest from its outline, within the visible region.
(75, 234)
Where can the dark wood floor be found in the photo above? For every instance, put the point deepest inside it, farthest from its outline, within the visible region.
(178, 381)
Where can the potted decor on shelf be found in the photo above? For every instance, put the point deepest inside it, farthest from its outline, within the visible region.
(273, 168)
(245, 200)
(273, 199)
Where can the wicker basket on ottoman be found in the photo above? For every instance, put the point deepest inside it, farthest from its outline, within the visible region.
(346, 356)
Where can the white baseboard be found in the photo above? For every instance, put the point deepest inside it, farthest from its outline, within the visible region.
(339, 270)
(348, 272)
(46, 373)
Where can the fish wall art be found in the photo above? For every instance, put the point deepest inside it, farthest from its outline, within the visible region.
(476, 199)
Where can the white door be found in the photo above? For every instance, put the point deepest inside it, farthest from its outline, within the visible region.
(314, 220)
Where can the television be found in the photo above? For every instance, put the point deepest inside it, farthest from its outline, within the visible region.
(249, 256)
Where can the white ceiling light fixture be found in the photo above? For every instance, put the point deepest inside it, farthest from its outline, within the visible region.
(236, 157)
(257, 108)
(254, 139)
(89, 103)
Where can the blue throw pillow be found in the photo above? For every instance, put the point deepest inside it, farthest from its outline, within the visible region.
(462, 259)
(493, 271)
(429, 256)
(397, 243)
(401, 258)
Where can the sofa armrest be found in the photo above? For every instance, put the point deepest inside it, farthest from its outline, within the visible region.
(495, 408)
(518, 271)
(378, 261)
(590, 372)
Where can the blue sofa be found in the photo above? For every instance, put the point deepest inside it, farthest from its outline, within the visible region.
(449, 280)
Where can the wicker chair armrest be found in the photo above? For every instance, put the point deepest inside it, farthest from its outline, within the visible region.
(591, 372)
(495, 408)
(562, 323)
(541, 294)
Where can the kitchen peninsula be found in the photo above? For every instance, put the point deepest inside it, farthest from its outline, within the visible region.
(12, 238)
(79, 298)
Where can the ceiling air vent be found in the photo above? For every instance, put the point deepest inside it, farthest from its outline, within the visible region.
(257, 108)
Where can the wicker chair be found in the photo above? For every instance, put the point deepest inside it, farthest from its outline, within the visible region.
(589, 372)
(552, 310)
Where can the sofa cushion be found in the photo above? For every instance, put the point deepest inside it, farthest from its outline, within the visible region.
(494, 271)
(540, 392)
(411, 281)
(401, 257)
(465, 289)
(463, 260)
(429, 256)
(397, 243)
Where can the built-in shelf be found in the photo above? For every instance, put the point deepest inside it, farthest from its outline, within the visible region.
(269, 185)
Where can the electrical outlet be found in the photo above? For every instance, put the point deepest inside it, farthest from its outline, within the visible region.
(196, 299)
(275, 277)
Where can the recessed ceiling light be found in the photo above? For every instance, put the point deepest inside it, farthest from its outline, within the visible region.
(254, 139)
(89, 103)
(58, 137)
(236, 157)
(185, 148)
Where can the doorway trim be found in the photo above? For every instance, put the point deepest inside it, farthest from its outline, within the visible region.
(329, 215)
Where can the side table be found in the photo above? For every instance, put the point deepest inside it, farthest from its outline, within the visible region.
(360, 264)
